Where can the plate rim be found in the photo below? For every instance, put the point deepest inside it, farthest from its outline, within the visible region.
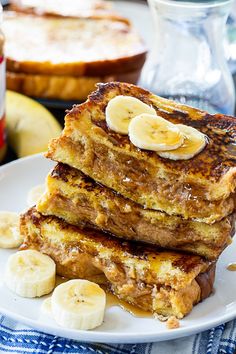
(103, 336)
(112, 338)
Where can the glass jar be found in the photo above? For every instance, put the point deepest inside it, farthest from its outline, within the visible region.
(187, 62)
(2, 93)
(230, 41)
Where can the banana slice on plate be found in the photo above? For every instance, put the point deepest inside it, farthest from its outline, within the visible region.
(30, 273)
(35, 194)
(78, 304)
(10, 236)
(122, 109)
(194, 143)
(151, 132)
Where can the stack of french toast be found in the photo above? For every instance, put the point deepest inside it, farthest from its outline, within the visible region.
(149, 223)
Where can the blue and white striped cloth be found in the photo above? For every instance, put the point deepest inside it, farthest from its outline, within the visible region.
(16, 338)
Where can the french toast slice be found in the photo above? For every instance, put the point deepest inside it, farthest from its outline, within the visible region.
(79, 200)
(71, 46)
(201, 188)
(60, 86)
(163, 282)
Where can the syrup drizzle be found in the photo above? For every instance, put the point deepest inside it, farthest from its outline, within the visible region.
(60, 280)
(232, 267)
(112, 301)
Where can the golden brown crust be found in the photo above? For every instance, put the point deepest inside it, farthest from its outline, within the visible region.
(71, 46)
(61, 87)
(79, 200)
(219, 156)
(202, 187)
(136, 180)
(159, 281)
(144, 256)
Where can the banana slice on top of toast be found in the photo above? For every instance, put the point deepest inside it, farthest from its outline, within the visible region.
(194, 143)
(147, 130)
(122, 109)
(152, 132)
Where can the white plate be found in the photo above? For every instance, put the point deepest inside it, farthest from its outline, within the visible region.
(16, 179)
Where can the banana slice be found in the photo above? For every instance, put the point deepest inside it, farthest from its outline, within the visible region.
(10, 236)
(194, 143)
(78, 304)
(151, 132)
(30, 273)
(35, 194)
(121, 109)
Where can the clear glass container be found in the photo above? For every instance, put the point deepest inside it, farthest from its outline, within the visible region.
(2, 93)
(187, 61)
(230, 41)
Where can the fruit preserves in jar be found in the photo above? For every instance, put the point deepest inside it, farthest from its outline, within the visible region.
(2, 95)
